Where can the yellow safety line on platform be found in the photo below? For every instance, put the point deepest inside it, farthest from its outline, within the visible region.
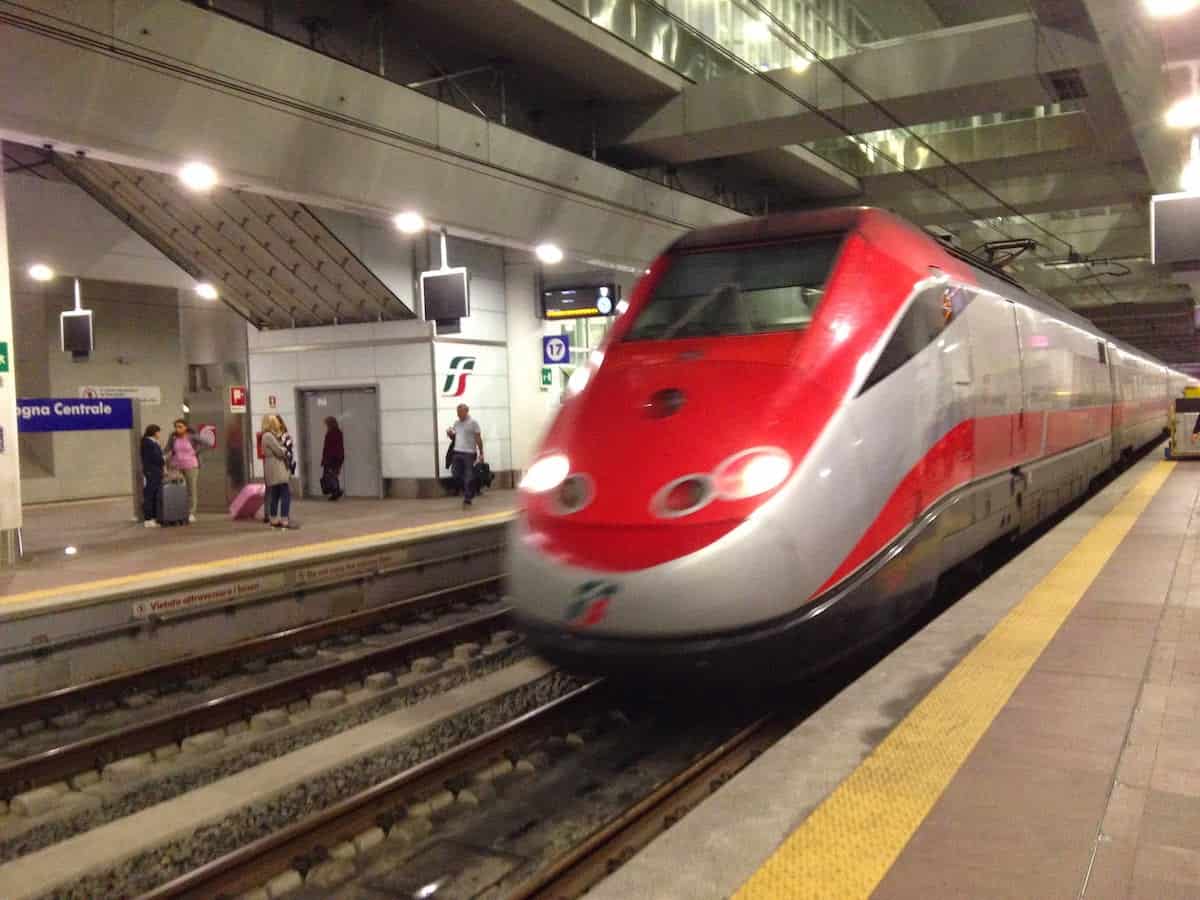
(848, 844)
(281, 555)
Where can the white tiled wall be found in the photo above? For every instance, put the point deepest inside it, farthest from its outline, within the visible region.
(283, 362)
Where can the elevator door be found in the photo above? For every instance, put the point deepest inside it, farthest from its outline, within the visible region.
(357, 412)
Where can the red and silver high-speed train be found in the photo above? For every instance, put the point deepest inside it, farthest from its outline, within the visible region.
(799, 423)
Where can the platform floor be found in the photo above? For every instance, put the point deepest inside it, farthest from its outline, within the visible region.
(1039, 739)
(108, 544)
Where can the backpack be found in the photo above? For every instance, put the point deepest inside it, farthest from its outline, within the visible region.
(289, 449)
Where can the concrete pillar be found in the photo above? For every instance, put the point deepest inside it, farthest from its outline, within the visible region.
(10, 466)
(531, 409)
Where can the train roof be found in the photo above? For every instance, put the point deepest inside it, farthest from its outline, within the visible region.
(781, 226)
(776, 226)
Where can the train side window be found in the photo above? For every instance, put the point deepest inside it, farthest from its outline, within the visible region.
(1103, 353)
(919, 328)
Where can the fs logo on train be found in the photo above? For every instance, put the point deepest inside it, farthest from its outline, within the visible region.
(590, 604)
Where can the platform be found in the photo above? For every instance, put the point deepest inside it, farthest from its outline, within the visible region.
(129, 595)
(1038, 739)
(110, 549)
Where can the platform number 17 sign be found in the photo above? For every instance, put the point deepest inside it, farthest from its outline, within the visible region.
(556, 350)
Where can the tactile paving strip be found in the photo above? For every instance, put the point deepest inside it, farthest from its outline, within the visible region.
(845, 848)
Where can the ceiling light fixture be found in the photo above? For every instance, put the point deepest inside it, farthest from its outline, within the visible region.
(41, 272)
(409, 222)
(756, 30)
(1185, 113)
(206, 290)
(550, 254)
(1165, 9)
(198, 176)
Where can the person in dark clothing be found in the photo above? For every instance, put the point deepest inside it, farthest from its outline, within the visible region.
(333, 455)
(153, 465)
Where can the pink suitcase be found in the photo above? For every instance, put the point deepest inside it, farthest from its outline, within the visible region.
(248, 501)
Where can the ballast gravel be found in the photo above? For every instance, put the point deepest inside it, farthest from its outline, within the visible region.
(149, 869)
(202, 771)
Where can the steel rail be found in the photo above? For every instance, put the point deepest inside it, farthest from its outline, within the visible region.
(81, 696)
(257, 862)
(94, 752)
(590, 861)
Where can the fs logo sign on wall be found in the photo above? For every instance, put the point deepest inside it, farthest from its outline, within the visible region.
(456, 379)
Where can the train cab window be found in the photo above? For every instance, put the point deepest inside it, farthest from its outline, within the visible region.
(919, 327)
(734, 291)
(1103, 351)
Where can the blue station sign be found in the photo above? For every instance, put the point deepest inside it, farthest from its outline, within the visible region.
(556, 350)
(51, 414)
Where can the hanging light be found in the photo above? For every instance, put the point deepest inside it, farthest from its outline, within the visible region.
(198, 176)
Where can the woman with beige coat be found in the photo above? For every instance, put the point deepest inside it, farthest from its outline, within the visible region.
(277, 474)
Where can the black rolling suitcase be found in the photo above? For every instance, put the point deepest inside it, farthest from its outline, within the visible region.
(173, 503)
(483, 475)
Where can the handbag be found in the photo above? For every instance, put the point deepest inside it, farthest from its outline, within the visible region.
(329, 483)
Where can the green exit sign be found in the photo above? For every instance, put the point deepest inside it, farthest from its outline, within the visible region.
(3, 356)
(547, 377)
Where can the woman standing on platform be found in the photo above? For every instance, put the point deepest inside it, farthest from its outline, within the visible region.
(277, 474)
(153, 466)
(183, 455)
(333, 456)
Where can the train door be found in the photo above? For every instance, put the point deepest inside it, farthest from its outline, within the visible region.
(998, 386)
(1118, 381)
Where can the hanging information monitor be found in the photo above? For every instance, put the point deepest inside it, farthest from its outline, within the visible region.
(75, 329)
(445, 294)
(580, 302)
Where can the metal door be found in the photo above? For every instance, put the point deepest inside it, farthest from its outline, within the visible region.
(362, 474)
(317, 406)
(357, 413)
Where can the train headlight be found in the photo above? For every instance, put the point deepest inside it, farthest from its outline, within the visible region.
(546, 474)
(752, 472)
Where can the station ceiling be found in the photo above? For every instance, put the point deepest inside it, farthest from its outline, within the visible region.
(987, 118)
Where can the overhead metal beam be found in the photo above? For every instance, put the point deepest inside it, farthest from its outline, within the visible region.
(155, 83)
(1101, 185)
(992, 66)
(1024, 147)
(1133, 55)
(549, 35)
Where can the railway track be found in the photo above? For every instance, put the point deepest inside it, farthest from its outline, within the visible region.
(61, 760)
(406, 806)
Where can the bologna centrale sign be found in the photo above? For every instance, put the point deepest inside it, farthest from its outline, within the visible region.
(62, 414)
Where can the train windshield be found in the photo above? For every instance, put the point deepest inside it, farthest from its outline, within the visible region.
(742, 290)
